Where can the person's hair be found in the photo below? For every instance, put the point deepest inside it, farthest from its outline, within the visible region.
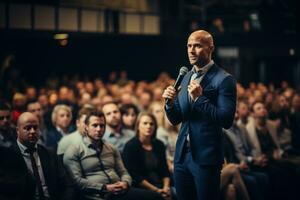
(5, 106)
(56, 109)
(84, 111)
(125, 108)
(110, 102)
(31, 101)
(94, 113)
(142, 114)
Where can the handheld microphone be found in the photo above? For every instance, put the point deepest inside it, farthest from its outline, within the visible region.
(183, 71)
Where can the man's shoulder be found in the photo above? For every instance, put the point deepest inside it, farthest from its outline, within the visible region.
(71, 137)
(128, 132)
(109, 146)
(221, 73)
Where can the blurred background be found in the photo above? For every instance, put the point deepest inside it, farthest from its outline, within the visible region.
(256, 40)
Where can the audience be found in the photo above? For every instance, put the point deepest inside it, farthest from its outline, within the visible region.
(264, 139)
(97, 168)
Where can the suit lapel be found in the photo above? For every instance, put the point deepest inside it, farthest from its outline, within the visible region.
(183, 94)
(44, 157)
(16, 148)
(208, 76)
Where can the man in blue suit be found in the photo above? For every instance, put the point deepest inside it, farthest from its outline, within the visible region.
(204, 104)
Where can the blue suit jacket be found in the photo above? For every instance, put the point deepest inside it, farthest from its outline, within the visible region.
(204, 119)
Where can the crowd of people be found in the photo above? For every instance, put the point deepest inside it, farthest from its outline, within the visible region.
(112, 140)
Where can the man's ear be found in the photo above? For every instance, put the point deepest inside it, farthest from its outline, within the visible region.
(212, 48)
(17, 130)
(85, 128)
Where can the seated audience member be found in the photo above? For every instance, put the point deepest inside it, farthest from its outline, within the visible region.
(157, 110)
(49, 176)
(115, 133)
(14, 183)
(231, 180)
(61, 118)
(263, 135)
(97, 168)
(76, 136)
(145, 100)
(34, 107)
(236, 149)
(280, 114)
(145, 157)
(244, 114)
(129, 113)
(7, 130)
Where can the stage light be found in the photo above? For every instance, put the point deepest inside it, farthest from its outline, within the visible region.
(61, 36)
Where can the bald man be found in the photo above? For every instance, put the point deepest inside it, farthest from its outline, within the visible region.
(40, 163)
(204, 105)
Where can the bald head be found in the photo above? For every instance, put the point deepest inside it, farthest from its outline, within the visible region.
(28, 129)
(25, 117)
(204, 36)
(200, 46)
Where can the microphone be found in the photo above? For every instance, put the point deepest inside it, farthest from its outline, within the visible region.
(183, 71)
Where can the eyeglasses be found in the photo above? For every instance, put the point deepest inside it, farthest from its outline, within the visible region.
(4, 117)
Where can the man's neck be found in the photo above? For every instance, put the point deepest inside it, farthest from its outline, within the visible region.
(261, 122)
(201, 66)
(115, 129)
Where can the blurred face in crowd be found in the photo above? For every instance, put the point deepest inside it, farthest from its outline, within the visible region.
(146, 127)
(28, 129)
(157, 93)
(89, 87)
(43, 100)
(63, 93)
(63, 119)
(296, 102)
(259, 110)
(85, 98)
(243, 110)
(129, 118)
(200, 47)
(31, 92)
(158, 112)
(5, 117)
(36, 109)
(283, 102)
(53, 98)
(112, 115)
(95, 128)
(126, 98)
(145, 100)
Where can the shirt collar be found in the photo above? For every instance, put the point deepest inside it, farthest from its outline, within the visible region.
(23, 147)
(205, 68)
(61, 131)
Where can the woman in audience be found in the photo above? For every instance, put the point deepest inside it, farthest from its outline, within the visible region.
(129, 114)
(145, 157)
(61, 119)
